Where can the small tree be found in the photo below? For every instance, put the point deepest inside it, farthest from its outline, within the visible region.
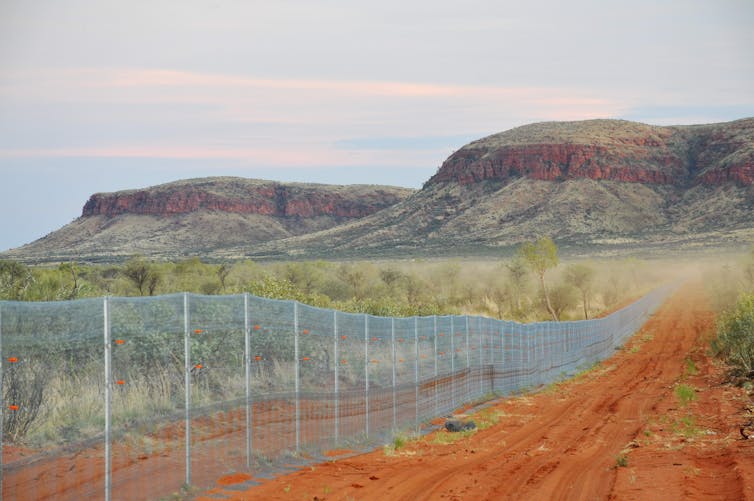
(541, 256)
(581, 276)
(72, 268)
(562, 298)
(517, 280)
(223, 271)
(15, 278)
(142, 274)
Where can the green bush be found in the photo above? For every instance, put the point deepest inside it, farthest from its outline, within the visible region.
(735, 337)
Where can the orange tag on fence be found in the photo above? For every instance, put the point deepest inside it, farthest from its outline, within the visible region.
(343, 337)
(400, 360)
(13, 407)
(344, 361)
(120, 382)
(197, 331)
(306, 358)
(257, 358)
(257, 327)
(306, 331)
(198, 366)
(13, 360)
(120, 341)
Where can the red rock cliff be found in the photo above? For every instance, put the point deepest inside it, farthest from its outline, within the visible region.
(270, 199)
(609, 149)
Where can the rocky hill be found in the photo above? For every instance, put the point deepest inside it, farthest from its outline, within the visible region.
(199, 216)
(615, 150)
(596, 186)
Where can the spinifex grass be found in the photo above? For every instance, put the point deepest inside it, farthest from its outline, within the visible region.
(685, 394)
(445, 437)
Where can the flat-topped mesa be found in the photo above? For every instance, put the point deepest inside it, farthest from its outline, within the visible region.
(247, 197)
(609, 150)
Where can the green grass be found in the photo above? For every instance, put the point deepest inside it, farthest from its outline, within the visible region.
(621, 460)
(690, 369)
(399, 441)
(685, 394)
(446, 437)
(687, 427)
(487, 418)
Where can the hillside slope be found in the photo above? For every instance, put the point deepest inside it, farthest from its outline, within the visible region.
(598, 184)
(199, 216)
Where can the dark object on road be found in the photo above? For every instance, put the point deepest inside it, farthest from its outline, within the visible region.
(454, 425)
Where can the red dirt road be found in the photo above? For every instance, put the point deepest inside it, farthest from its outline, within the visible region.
(616, 432)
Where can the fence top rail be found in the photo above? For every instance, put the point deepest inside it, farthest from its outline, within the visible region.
(42, 305)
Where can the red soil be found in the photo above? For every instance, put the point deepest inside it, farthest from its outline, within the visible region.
(235, 478)
(616, 432)
(338, 452)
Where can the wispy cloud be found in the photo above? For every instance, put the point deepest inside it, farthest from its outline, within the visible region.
(269, 121)
(281, 157)
(194, 86)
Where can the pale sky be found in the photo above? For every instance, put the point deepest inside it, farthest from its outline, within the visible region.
(106, 95)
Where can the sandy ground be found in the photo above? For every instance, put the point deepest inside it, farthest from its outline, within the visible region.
(618, 431)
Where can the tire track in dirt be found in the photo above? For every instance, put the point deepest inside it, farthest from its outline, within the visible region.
(561, 443)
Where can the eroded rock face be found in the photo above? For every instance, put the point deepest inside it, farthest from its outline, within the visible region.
(557, 162)
(609, 150)
(270, 199)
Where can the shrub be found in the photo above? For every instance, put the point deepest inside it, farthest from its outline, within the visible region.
(685, 394)
(735, 337)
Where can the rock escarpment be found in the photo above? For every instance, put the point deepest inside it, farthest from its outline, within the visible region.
(205, 217)
(609, 150)
(241, 196)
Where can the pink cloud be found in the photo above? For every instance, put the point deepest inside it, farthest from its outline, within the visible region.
(281, 156)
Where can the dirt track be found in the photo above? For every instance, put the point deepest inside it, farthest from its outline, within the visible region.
(565, 441)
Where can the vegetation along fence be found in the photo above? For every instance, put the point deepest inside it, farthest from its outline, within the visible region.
(136, 398)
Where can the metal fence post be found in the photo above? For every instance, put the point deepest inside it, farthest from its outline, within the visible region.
(416, 370)
(366, 374)
(468, 358)
(247, 377)
(108, 398)
(481, 360)
(296, 375)
(452, 363)
(337, 383)
(392, 342)
(187, 383)
(437, 395)
(498, 325)
(530, 359)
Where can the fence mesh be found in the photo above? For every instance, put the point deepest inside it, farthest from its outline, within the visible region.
(102, 396)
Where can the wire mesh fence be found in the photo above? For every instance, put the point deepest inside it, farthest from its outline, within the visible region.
(135, 398)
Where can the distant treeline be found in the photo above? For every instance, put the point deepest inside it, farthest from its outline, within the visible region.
(532, 286)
